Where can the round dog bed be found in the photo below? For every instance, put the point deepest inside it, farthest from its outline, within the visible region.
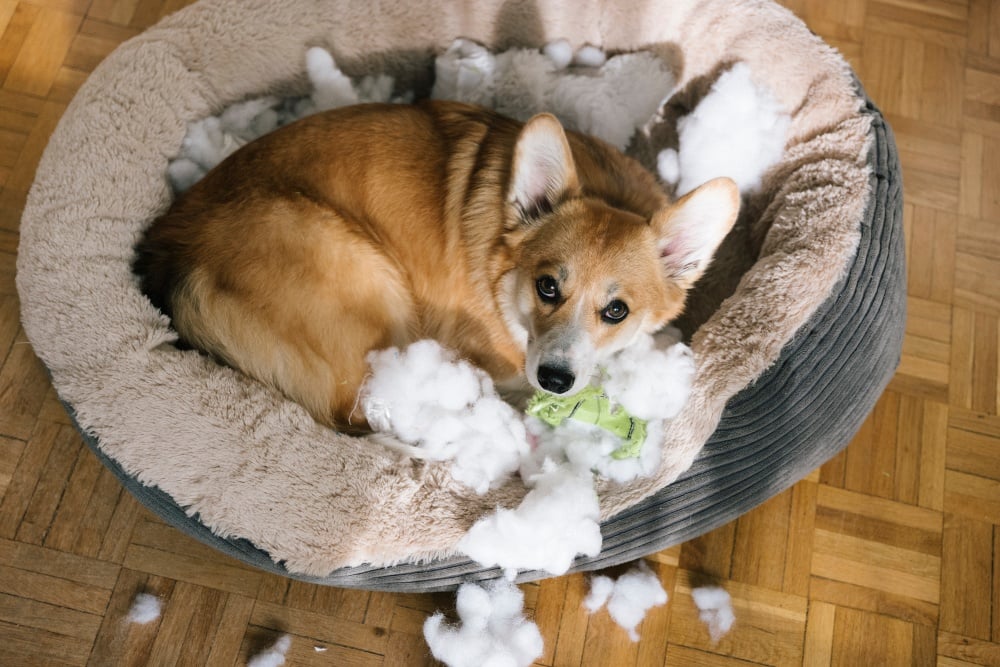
(795, 332)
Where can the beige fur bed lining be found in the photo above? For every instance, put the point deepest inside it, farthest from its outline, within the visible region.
(251, 464)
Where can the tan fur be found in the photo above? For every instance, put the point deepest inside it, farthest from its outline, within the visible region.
(378, 225)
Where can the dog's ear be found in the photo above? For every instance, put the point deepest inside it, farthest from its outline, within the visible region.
(691, 229)
(542, 171)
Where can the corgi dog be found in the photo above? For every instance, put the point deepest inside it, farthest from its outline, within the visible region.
(531, 251)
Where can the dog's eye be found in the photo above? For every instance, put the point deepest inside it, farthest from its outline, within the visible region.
(548, 289)
(615, 312)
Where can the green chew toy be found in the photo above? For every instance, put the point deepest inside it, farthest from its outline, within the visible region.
(592, 406)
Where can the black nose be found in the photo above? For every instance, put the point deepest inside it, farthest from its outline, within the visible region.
(555, 379)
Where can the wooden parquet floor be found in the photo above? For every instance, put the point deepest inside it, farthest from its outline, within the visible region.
(887, 555)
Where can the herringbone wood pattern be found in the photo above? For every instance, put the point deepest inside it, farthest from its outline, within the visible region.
(887, 555)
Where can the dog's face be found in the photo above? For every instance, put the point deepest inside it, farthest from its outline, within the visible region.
(589, 277)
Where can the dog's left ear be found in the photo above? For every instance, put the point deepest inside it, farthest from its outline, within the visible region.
(543, 171)
(691, 229)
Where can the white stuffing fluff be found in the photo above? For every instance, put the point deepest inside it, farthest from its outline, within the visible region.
(628, 598)
(210, 140)
(448, 409)
(146, 608)
(586, 447)
(273, 656)
(651, 377)
(607, 97)
(668, 166)
(492, 631)
(331, 87)
(560, 52)
(465, 73)
(601, 588)
(558, 519)
(589, 56)
(715, 608)
(737, 130)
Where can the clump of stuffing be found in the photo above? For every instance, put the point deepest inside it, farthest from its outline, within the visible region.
(589, 448)
(715, 608)
(447, 409)
(652, 377)
(737, 130)
(492, 630)
(558, 519)
(273, 656)
(628, 598)
(589, 56)
(211, 140)
(146, 608)
(331, 87)
(559, 53)
(589, 92)
(607, 97)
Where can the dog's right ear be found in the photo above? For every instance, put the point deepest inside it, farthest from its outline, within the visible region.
(543, 171)
(691, 229)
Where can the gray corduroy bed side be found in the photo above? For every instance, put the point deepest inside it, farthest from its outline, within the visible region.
(795, 350)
